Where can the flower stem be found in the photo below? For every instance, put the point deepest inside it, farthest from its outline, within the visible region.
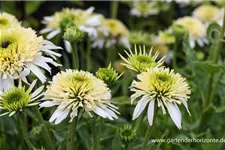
(95, 136)
(149, 131)
(22, 119)
(45, 132)
(215, 59)
(75, 56)
(114, 8)
(71, 134)
(88, 56)
(175, 46)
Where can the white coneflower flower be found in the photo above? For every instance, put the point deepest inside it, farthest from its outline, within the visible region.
(21, 51)
(196, 30)
(140, 60)
(74, 89)
(85, 20)
(164, 37)
(206, 13)
(8, 21)
(144, 8)
(161, 86)
(18, 98)
(110, 33)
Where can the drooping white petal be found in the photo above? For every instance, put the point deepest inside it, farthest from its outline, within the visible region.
(151, 112)
(53, 34)
(42, 64)
(55, 115)
(186, 106)
(139, 108)
(174, 113)
(63, 116)
(73, 114)
(48, 104)
(68, 46)
(23, 75)
(37, 71)
(46, 30)
(100, 112)
(192, 43)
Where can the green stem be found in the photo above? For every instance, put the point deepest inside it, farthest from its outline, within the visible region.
(175, 46)
(95, 136)
(22, 119)
(114, 8)
(149, 131)
(147, 136)
(75, 56)
(88, 56)
(45, 132)
(215, 59)
(138, 122)
(71, 134)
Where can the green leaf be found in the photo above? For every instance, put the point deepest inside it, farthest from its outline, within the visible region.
(210, 146)
(207, 66)
(32, 6)
(116, 143)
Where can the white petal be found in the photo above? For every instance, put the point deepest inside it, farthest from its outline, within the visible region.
(55, 115)
(100, 112)
(192, 43)
(68, 46)
(174, 113)
(48, 104)
(73, 114)
(151, 111)
(46, 30)
(53, 34)
(186, 106)
(36, 92)
(62, 116)
(139, 108)
(42, 64)
(37, 71)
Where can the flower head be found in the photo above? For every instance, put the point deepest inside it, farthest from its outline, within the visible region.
(18, 98)
(165, 37)
(73, 34)
(110, 33)
(195, 28)
(161, 86)
(141, 61)
(138, 37)
(206, 13)
(85, 20)
(8, 21)
(21, 51)
(108, 75)
(144, 8)
(75, 89)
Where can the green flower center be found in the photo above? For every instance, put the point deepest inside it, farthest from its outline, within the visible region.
(163, 78)
(145, 59)
(3, 21)
(5, 44)
(15, 99)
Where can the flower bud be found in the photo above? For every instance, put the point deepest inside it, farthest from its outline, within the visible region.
(73, 34)
(127, 134)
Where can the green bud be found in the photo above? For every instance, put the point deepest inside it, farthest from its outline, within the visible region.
(73, 34)
(108, 75)
(127, 134)
(179, 30)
